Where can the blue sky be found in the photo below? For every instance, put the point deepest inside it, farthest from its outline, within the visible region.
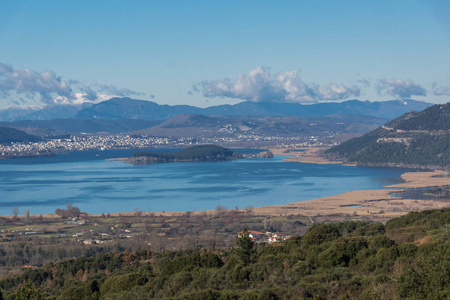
(207, 53)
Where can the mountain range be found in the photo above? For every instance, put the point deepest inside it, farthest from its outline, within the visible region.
(194, 125)
(126, 108)
(139, 117)
(64, 126)
(413, 139)
(198, 126)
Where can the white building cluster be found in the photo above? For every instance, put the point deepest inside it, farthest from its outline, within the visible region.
(106, 142)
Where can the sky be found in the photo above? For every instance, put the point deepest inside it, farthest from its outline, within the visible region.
(206, 53)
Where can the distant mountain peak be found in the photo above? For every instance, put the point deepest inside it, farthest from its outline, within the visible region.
(127, 108)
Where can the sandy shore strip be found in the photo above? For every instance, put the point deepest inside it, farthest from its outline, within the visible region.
(117, 159)
(307, 155)
(370, 204)
(417, 180)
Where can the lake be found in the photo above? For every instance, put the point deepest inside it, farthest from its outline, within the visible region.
(88, 181)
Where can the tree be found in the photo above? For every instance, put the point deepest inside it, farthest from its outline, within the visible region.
(221, 209)
(27, 216)
(71, 211)
(137, 212)
(245, 250)
(28, 291)
(318, 234)
(249, 209)
(15, 211)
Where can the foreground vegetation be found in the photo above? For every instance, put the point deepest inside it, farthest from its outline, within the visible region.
(37, 240)
(408, 258)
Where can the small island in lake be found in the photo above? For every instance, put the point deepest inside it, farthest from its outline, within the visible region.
(195, 153)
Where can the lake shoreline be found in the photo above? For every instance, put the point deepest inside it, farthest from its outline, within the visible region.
(375, 205)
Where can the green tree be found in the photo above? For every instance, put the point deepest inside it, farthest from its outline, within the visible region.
(245, 250)
(321, 233)
(28, 292)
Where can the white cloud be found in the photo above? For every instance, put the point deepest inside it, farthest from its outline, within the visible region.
(18, 84)
(26, 81)
(80, 98)
(402, 89)
(442, 90)
(364, 82)
(259, 86)
(112, 90)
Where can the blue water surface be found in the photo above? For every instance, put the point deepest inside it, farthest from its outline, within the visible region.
(86, 180)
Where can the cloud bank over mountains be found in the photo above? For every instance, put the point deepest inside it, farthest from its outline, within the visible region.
(259, 86)
(22, 85)
(25, 86)
(441, 90)
(402, 89)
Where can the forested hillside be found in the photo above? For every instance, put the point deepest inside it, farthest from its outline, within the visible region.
(9, 135)
(406, 258)
(414, 139)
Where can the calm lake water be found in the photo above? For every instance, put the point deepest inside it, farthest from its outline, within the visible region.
(94, 185)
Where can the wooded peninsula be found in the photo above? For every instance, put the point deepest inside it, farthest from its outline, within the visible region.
(190, 154)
